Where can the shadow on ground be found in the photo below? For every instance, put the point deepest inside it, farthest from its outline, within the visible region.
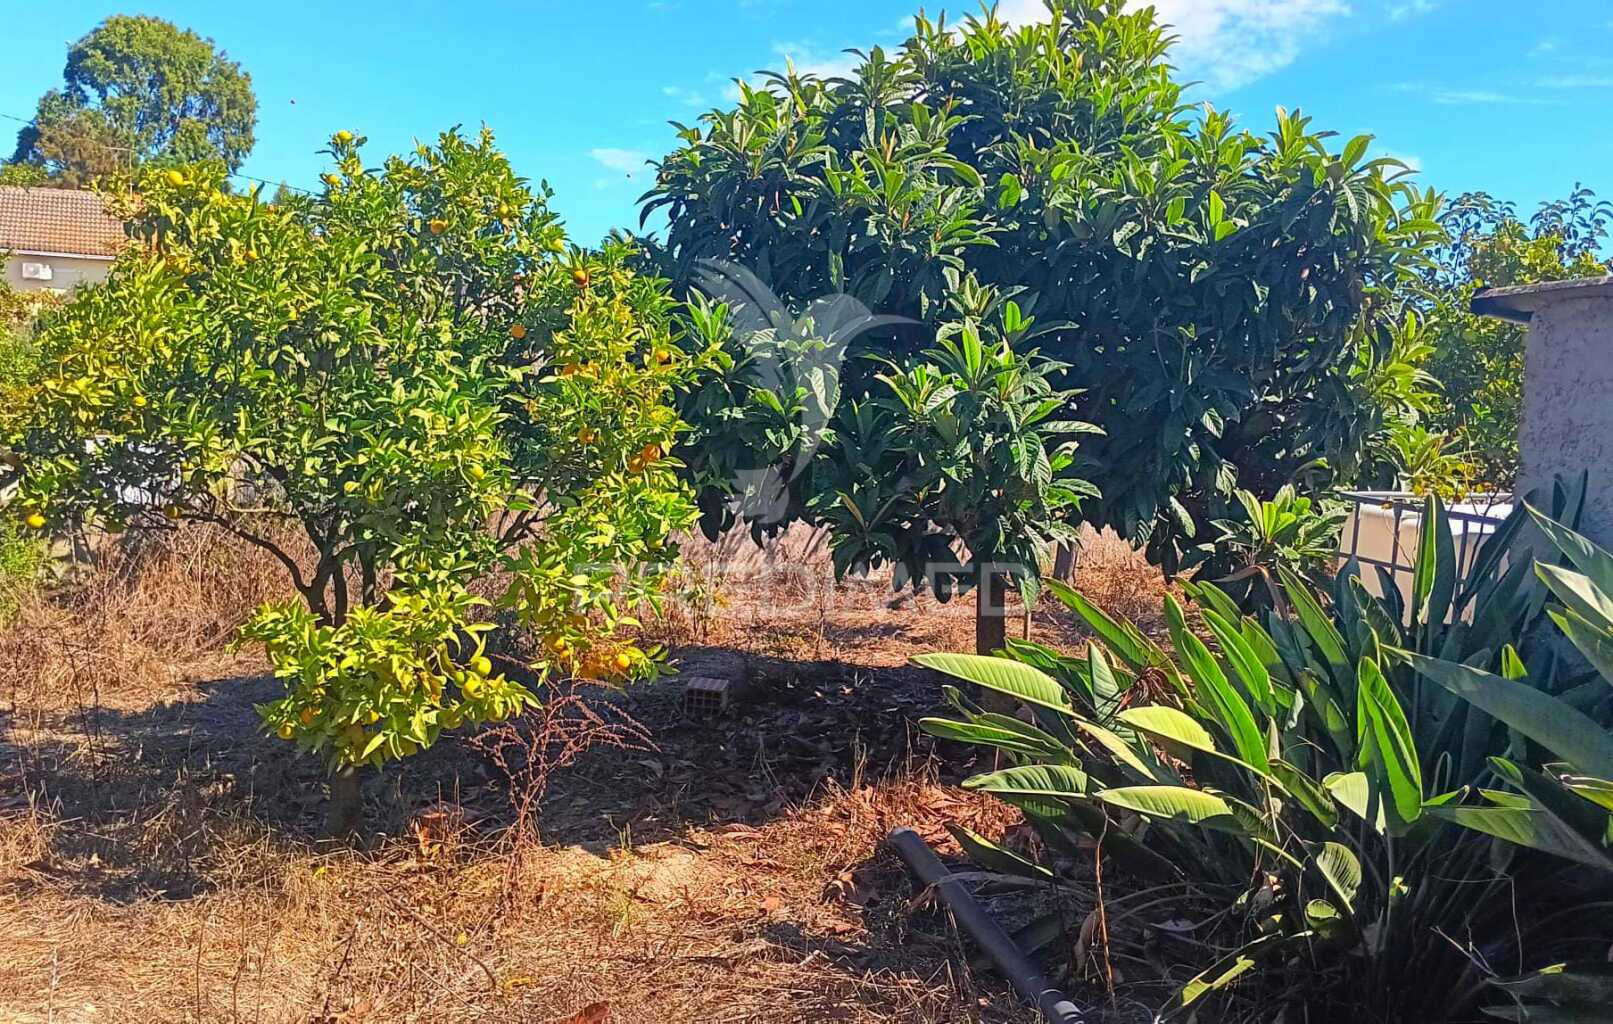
(147, 790)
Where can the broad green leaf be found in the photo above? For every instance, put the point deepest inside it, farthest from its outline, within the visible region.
(1324, 919)
(1244, 660)
(1342, 871)
(1595, 644)
(1354, 794)
(1120, 749)
(1122, 638)
(1587, 986)
(994, 858)
(1171, 724)
(1213, 689)
(1105, 688)
(1386, 742)
(1434, 575)
(1564, 730)
(1532, 827)
(1048, 780)
(1221, 974)
(1031, 685)
(988, 736)
(1318, 627)
(1177, 803)
(1597, 791)
(1586, 556)
(1319, 699)
(1310, 793)
(1579, 595)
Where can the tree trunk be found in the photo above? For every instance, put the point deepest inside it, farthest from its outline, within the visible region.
(991, 632)
(991, 623)
(346, 811)
(1064, 562)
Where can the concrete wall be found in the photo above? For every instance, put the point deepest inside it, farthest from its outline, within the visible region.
(67, 272)
(1567, 423)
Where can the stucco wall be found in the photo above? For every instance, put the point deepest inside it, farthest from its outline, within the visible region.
(67, 272)
(1568, 404)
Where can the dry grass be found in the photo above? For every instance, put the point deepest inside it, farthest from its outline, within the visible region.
(159, 859)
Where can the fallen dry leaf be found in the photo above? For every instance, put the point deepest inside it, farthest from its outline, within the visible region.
(593, 1013)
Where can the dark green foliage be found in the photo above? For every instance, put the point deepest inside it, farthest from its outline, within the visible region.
(1338, 811)
(1478, 361)
(1210, 290)
(138, 89)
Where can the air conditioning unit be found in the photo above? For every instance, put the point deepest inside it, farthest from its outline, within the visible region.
(36, 271)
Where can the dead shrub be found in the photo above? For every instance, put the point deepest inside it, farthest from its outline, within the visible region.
(146, 606)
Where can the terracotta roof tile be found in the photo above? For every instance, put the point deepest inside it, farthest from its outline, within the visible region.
(57, 220)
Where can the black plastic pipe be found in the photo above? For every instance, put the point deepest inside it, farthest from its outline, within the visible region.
(996, 943)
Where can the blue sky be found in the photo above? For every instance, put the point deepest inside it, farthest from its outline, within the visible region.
(1514, 98)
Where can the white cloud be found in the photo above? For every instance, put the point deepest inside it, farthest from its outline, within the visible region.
(1225, 43)
(1576, 82)
(810, 60)
(628, 164)
(1410, 9)
(1463, 97)
(687, 97)
(1543, 48)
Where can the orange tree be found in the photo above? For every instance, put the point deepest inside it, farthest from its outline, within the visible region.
(397, 387)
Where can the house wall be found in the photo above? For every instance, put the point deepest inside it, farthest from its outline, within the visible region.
(1567, 424)
(67, 272)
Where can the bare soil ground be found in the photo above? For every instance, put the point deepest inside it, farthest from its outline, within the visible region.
(159, 859)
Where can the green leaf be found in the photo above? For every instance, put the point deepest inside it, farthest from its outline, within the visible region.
(1533, 827)
(1177, 803)
(1310, 793)
(1243, 659)
(1386, 742)
(1001, 738)
(1559, 727)
(1586, 556)
(1596, 645)
(1212, 687)
(992, 857)
(1119, 749)
(1318, 627)
(1586, 986)
(1434, 575)
(1355, 794)
(1341, 870)
(1122, 638)
(1579, 595)
(1220, 974)
(1031, 685)
(1064, 781)
(1170, 724)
